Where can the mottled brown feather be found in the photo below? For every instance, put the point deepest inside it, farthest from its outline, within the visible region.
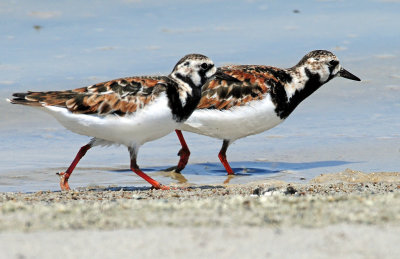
(222, 94)
(120, 96)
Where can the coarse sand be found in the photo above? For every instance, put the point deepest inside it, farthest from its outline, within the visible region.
(349, 214)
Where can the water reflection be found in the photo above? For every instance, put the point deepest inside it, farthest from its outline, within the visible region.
(208, 171)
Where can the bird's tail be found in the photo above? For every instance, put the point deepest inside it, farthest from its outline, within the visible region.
(54, 98)
(25, 99)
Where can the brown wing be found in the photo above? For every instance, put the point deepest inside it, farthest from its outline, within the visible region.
(249, 83)
(120, 96)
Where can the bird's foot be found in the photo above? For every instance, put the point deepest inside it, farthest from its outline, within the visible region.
(229, 178)
(172, 169)
(63, 182)
(167, 188)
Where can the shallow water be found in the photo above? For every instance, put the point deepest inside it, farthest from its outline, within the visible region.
(345, 124)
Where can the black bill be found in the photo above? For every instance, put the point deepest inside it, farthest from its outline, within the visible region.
(346, 74)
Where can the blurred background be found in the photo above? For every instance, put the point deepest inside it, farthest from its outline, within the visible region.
(56, 45)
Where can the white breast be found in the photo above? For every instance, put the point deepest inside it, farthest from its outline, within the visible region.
(150, 123)
(237, 122)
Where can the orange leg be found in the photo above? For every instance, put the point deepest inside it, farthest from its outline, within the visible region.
(64, 176)
(184, 153)
(135, 168)
(222, 157)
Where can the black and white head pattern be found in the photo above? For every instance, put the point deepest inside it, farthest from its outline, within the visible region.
(324, 65)
(193, 70)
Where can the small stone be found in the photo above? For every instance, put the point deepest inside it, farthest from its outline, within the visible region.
(290, 190)
(257, 191)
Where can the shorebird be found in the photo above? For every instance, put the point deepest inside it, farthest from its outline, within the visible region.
(127, 111)
(256, 98)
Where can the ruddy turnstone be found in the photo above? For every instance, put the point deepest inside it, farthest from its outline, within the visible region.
(255, 99)
(128, 111)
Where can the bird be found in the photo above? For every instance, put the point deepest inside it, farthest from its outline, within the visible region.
(254, 99)
(126, 111)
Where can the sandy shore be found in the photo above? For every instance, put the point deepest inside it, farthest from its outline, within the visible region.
(351, 214)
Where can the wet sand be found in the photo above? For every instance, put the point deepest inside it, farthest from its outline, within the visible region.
(349, 213)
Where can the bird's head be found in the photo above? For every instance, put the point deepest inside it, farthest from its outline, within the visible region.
(194, 69)
(326, 65)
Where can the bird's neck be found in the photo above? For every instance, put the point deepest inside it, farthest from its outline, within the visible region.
(290, 94)
(183, 99)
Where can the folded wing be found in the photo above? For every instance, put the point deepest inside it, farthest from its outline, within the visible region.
(243, 84)
(119, 97)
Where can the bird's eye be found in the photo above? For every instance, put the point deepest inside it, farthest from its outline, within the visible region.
(333, 63)
(186, 63)
(204, 66)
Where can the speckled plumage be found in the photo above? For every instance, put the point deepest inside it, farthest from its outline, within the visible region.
(129, 111)
(119, 97)
(257, 98)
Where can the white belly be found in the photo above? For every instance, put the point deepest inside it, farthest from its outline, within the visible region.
(150, 123)
(235, 123)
